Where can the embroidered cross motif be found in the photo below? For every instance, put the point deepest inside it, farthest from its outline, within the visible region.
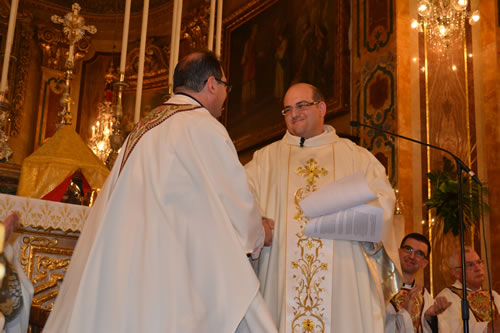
(311, 171)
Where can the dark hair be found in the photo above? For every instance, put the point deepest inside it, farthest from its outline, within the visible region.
(418, 237)
(193, 70)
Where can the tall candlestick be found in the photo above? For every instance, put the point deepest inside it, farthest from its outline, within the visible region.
(172, 46)
(8, 44)
(142, 51)
(126, 22)
(211, 26)
(219, 28)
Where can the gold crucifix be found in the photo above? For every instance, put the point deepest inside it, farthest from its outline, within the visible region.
(74, 28)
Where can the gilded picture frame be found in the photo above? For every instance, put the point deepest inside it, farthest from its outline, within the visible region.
(271, 44)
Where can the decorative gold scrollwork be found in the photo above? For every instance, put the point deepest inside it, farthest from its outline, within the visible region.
(308, 308)
(45, 265)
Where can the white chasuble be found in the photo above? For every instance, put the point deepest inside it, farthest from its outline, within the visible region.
(309, 261)
(317, 285)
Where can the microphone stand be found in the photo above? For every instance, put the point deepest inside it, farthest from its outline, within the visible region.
(461, 166)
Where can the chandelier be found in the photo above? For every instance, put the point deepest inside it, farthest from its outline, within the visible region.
(103, 126)
(443, 21)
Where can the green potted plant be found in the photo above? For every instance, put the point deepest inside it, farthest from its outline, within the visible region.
(445, 227)
(444, 198)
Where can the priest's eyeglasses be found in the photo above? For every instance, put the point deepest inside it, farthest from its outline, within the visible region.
(300, 107)
(408, 249)
(228, 85)
(472, 264)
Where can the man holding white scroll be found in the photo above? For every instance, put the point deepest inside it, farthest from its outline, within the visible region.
(321, 284)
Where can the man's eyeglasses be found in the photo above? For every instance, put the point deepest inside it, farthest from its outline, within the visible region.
(472, 264)
(228, 85)
(300, 106)
(408, 249)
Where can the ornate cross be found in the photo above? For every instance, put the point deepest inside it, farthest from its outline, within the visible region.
(74, 28)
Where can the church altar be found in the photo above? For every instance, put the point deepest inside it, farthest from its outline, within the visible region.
(45, 241)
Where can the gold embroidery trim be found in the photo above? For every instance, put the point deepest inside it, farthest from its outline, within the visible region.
(479, 303)
(308, 309)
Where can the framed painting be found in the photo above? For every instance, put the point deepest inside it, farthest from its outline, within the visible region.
(270, 44)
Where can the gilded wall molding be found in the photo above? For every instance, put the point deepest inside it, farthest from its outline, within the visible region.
(194, 32)
(155, 63)
(19, 82)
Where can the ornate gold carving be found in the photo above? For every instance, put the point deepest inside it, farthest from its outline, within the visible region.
(195, 32)
(45, 265)
(55, 49)
(308, 308)
(18, 81)
(155, 64)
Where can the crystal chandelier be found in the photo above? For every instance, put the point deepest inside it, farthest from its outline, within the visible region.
(443, 21)
(103, 127)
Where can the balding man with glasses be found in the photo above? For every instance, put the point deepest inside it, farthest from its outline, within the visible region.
(479, 299)
(413, 309)
(317, 284)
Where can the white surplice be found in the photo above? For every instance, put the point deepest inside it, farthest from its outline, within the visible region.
(310, 284)
(164, 247)
(400, 322)
(18, 324)
(450, 320)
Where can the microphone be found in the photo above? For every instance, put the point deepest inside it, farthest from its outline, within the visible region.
(459, 161)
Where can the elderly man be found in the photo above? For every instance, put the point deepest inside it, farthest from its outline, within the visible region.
(450, 321)
(165, 246)
(413, 309)
(313, 284)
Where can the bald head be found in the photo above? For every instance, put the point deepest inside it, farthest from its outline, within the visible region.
(307, 110)
(315, 92)
(474, 268)
(193, 70)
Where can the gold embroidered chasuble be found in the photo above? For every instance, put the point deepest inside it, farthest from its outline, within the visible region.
(317, 285)
(309, 261)
(416, 310)
(479, 303)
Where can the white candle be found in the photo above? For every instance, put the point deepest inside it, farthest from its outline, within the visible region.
(172, 46)
(211, 26)
(174, 42)
(178, 32)
(142, 51)
(8, 45)
(219, 28)
(126, 22)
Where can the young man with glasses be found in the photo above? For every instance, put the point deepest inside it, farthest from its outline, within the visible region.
(165, 246)
(413, 309)
(479, 299)
(314, 284)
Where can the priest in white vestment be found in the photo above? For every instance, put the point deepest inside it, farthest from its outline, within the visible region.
(413, 310)
(165, 246)
(318, 285)
(450, 321)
